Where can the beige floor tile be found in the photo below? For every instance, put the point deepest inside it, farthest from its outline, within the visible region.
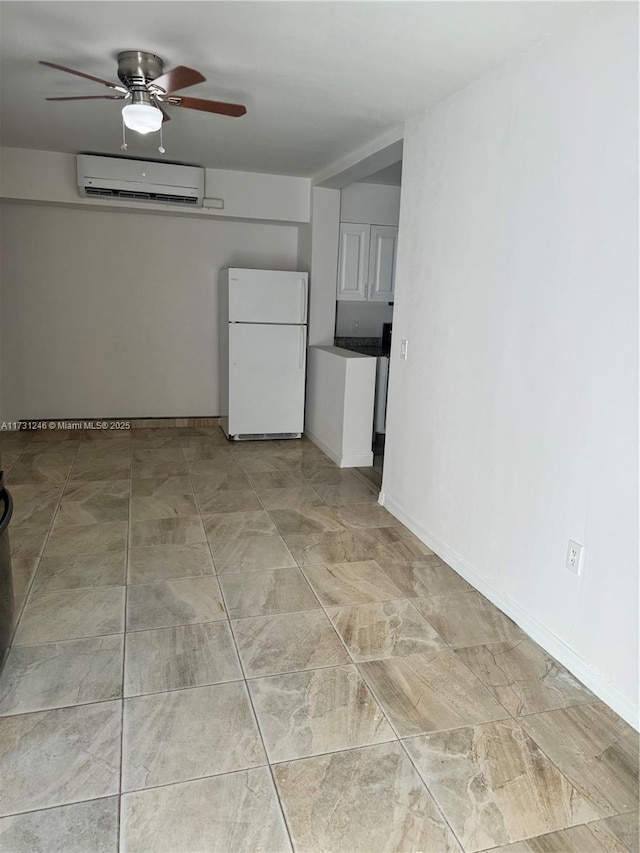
(238, 525)
(70, 540)
(523, 677)
(352, 583)
(155, 470)
(156, 455)
(321, 710)
(234, 500)
(306, 520)
(467, 619)
(495, 786)
(87, 570)
(267, 481)
(187, 734)
(164, 562)
(384, 629)
(27, 540)
(51, 466)
(265, 592)
(185, 530)
(624, 827)
(220, 465)
(331, 475)
(51, 758)
(206, 450)
(346, 493)
(70, 614)
(182, 601)
(23, 570)
(366, 515)
(255, 553)
(78, 828)
(113, 450)
(163, 506)
(595, 749)
(35, 503)
(96, 491)
(53, 675)
(342, 546)
(169, 484)
(361, 801)
(578, 839)
(267, 463)
(293, 497)
(287, 642)
(429, 692)
(213, 484)
(178, 657)
(94, 502)
(179, 818)
(103, 469)
(424, 577)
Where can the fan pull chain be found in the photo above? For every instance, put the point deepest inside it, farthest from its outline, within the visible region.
(124, 138)
(161, 149)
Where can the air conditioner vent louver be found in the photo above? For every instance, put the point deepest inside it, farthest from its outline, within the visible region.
(138, 196)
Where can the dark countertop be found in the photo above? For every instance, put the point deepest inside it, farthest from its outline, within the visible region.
(366, 346)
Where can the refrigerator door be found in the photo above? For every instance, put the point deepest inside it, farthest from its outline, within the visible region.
(267, 296)
(266, 379)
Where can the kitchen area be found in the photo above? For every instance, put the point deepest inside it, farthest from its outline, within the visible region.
(369, 213)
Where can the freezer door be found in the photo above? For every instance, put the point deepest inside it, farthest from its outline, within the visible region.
(266, 378)
(267, 296)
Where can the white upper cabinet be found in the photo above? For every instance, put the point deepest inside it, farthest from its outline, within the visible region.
(366, 262)
(353, 261)
(382, 262)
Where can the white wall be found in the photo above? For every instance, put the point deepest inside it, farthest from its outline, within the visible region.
(513, 425)
(115, 314)
(319, 247)
(50, 177)
(376, 204)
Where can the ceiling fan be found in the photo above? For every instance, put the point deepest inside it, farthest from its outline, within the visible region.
(148, 89)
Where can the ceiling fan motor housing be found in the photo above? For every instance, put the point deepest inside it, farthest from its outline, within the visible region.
(137, 68)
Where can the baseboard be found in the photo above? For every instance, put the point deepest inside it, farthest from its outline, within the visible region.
(346, 460)
(549, 641)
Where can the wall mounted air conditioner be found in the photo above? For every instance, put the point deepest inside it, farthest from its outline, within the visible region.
(140, 180)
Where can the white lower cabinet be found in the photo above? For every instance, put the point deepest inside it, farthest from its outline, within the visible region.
(366, 262)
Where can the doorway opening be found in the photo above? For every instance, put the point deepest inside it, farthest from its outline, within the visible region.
(369, 217)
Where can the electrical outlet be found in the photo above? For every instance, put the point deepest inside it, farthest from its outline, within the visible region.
(355, 325)
(404, 349)
(574, 557)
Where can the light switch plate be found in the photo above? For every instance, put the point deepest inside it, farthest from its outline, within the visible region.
(404, 349)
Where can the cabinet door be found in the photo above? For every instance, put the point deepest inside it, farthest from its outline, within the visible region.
(353, 261)
(382, 263)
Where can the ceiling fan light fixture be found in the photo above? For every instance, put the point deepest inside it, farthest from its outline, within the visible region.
(143, 118)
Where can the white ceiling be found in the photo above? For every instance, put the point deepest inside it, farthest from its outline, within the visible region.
(319, 79)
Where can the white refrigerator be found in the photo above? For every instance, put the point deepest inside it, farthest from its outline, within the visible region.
(263, 353)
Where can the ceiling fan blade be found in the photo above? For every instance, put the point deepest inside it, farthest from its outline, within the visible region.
(82, 74)
(206, 106)
(178, 78)
(90, 98)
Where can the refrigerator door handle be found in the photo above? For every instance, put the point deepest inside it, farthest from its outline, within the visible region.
(303, 318)
(303, 341)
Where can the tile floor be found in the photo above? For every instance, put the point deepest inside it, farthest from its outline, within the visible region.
(234, 648)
